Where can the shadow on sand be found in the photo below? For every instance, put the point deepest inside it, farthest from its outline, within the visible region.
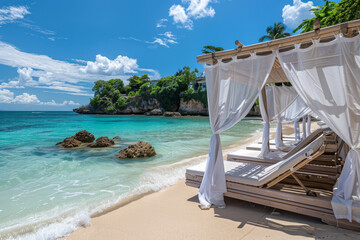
(246, 213)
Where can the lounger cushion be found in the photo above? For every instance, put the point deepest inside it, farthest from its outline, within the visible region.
(258, 175)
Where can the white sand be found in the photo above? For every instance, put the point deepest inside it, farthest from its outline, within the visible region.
(174, 213)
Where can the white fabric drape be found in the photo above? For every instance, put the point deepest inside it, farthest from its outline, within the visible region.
(303, 127)
(266, 130)
(327, 77)
(295, 111)
(232, 89)
(278, 99)
(308, 125)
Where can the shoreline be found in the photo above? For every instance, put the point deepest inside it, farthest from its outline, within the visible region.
(174, 213)
(241, 144)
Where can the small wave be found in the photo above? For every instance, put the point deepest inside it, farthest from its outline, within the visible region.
(155, 179)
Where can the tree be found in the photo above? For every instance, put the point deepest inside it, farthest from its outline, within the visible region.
(344, 11)
(275, 32)
(210, 49)
(135, 82)
(168, 89)
(322, 13)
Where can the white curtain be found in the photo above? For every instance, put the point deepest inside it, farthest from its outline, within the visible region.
(308, 125)
(280, 106)
(266, 130)
(327, 77)
(232, 89)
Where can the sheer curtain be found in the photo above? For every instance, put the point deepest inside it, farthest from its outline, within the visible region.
(278, 100)
(327, 77)
(232, 89)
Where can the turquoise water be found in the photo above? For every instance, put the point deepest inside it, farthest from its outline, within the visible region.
(47, 191)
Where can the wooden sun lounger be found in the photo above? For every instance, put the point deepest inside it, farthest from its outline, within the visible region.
(326, 164)
(279, 193)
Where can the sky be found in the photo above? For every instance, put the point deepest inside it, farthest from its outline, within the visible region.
(52, 52)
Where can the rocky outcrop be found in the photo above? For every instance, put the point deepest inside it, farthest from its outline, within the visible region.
(172, 114)
(192, 107)
(78, 139)
(88, 109)
(102, 142)
(136, 105)
(70, 142)
(154, 112)
(116, 138)
(84, 136)
(138, 150)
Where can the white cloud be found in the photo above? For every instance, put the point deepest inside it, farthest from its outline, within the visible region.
(168, 38)
(9, 14)
(196, 9)
(180, 17)
(41, 71)
(293, 15)
(7, 96)
(161, 23)
(103, 65)
(168, 35)
(199, 8)
(26, 98)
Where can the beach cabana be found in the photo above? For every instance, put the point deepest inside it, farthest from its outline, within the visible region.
(323, 67)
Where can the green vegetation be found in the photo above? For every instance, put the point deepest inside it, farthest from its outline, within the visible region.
(332, 13)
(210, 49)
(275, 32)
(112, 96)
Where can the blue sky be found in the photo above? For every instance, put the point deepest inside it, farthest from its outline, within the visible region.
(51, 52)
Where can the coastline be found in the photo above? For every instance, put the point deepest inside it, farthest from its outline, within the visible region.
(173, 213)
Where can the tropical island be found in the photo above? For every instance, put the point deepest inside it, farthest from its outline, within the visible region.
(181, 92)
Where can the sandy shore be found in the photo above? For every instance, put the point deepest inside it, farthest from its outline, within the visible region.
(173, 213)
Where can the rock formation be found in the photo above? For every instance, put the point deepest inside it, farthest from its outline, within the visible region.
(192, 107)
(172, 114)
(138, 150)
(102, 142)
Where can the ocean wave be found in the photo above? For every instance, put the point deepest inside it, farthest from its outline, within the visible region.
(155, 179)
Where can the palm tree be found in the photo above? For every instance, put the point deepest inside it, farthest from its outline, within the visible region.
(321, 13)
(210, 49)
(275, 32)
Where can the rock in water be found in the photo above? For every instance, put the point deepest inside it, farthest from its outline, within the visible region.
(70, 142)
(117, 138)
(153, 112)
(102, 142)
(84, 136)
(138, 150)
(172, 114)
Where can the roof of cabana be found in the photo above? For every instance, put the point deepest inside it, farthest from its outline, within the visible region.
(277, 74)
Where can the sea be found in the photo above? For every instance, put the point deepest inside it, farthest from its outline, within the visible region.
(47, 192)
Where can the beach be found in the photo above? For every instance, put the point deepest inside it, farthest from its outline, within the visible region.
(174, 213)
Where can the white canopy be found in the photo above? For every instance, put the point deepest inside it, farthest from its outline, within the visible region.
(327, 78)
(232, 89)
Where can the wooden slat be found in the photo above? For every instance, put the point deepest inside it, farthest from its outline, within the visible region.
(283, 43)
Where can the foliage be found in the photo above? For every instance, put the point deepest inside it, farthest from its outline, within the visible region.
(275, 32)
(210, 49)
(321, 13)
(111, 110)
(135, 82)
(344, 11)
(107, 95)
(145, 91)
(332, 13)
(199, 96)
(131, 94)
(168, 89)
